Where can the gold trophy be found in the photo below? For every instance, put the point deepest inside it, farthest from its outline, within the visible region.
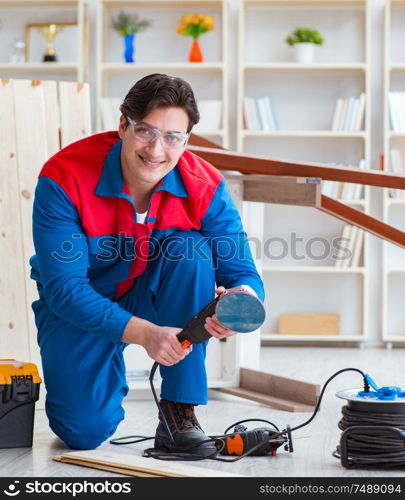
(50, 31)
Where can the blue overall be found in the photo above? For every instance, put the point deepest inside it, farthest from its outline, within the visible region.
(85, 392)
(79, 315)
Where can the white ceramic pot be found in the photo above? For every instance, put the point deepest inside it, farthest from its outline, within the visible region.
(304, 52)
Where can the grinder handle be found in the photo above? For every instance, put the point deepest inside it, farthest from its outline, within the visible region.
(194, 332)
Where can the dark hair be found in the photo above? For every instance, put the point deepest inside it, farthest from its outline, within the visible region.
(160, 91)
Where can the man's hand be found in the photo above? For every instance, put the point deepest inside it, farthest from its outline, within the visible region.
(160, 342)
(214, 327)
(163, 346)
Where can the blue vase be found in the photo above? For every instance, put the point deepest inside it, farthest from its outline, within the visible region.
(129, 48)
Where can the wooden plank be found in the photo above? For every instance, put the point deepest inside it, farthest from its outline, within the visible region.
(30, 125)
(92, 465)
(14, 337)
(298, 191)
(52, 118)
(142, 464)
(281, 392)
(75, 115)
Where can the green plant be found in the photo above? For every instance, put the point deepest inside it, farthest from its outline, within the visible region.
(127, 24)
(304, 35)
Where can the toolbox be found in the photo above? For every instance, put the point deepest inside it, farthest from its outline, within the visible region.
(19, 390)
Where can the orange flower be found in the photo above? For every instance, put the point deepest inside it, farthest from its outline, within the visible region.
(193, 24)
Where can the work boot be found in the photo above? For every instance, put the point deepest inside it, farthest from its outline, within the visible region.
(185, 428)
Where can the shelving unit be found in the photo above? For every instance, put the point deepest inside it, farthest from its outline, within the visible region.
(71, 44)
(265, 67)
(393, 269)
(161, 50)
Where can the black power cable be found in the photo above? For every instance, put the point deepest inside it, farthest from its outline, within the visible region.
(371, 439)
(187, 454)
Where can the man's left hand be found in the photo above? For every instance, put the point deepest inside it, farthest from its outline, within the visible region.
(214, 327)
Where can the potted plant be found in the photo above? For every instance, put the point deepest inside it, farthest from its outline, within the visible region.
(304, 40)
(195, 25)
(127, 25)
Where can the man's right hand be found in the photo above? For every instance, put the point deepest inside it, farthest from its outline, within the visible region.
(160, 342)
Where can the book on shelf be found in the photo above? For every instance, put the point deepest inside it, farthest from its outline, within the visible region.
(395, 166)
(263, 115)
(251, 114)
(360, 112)
(271, 114)
(259, 114)
(343, 113)
(350, 247)
(337, 114)
(352, 236)
(348, 191)
(396, 106)
(357, 248)
(348, 114)
(344, 190)
(353, 117)
(342, 253)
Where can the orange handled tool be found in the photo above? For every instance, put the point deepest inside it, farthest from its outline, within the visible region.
(236, 309)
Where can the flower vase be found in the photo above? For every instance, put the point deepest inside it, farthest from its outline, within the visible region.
(195, 54)
(129, 48)
(305, 53)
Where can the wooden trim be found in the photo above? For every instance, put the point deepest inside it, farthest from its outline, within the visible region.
(272, 390)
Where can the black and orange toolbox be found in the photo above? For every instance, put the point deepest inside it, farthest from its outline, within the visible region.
(19, 390)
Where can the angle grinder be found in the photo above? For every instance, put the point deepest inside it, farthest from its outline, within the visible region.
(237, 309)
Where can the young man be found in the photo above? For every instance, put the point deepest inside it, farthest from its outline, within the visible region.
(133, 236)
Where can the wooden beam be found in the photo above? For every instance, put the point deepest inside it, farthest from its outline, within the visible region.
(362, 220)
(256, 164)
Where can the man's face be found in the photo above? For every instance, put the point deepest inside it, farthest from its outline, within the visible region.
(147, 163)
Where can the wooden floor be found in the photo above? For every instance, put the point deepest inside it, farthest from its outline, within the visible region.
(313, 444)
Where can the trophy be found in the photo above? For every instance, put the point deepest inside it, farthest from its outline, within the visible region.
(50, 31)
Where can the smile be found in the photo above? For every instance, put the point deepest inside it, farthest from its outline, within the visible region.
(152, 164)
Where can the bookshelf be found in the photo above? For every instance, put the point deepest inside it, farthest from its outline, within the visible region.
(209, 78)
(393, 268)
(71, 43)
(296, 258)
